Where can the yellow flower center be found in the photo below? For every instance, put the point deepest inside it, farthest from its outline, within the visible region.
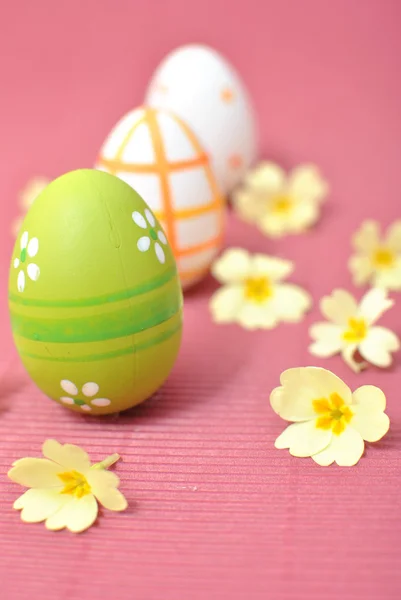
(258, 289)
(282, 205)
(383, 258)
(356, 332)
(333, 413)
(75, 484)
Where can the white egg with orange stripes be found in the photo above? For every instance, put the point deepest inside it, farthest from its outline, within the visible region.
(158, 155)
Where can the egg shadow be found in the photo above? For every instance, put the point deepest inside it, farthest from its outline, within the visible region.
(185, 389)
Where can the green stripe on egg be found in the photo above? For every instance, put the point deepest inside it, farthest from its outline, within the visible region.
(93, 328)
(143, 288)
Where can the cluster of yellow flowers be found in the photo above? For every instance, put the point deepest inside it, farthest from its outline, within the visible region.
(330, 423)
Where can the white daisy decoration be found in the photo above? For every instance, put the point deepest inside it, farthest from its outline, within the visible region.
(329, 422)
(155, 236)
(351, 328)
(281, 204)
(253, 293)
(84, 399)
(378, 258)
(29, 249)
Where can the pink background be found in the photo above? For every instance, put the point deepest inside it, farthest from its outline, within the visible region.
(215, 511)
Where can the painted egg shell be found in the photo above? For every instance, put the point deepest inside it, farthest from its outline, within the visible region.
(201, 87)
(160, 157)
(95, 299)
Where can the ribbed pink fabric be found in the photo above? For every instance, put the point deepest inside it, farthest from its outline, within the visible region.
(215, 511)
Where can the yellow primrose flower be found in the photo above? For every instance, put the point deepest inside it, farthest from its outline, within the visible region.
(65, 487)
(253, 293)
(281, 204)
(352, 329)
(27, 197)
(330, 423)
(377, 261)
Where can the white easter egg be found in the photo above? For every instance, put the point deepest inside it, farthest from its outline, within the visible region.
(159, 156)
(201, 87)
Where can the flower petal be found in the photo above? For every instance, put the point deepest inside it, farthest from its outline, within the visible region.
(76, 515)
(290, 302)
(67, 455)
(348, 354)
(24, 240)
(361, 268)
(390, 278)
(267, 176)
(150, 217)
(160, 253)
(69, 387)
(370, 397)
(104, 485)
(67, 400)
(162, 237)
(101, 402)
(369, 419)
(276, 225)
(143, 244)
(339, 307)
(345, 449)
(90, 389)
(374, 304)
(233, 266)
(378, 345)
(21, 281)
(139, 220)
(300, 386)
(304, 439)
(249, 206)
(39, 504)
(304, 215)
(35, 472)
(33, 247)
(307, 184)
(253, 315)
(226, 302)
(33, 271)
(272, 267)
(328, 338)
(367, 238)
(393, 237)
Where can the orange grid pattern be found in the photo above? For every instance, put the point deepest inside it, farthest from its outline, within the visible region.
(162, 167)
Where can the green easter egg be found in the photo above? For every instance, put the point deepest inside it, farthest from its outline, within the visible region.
(94, 295)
